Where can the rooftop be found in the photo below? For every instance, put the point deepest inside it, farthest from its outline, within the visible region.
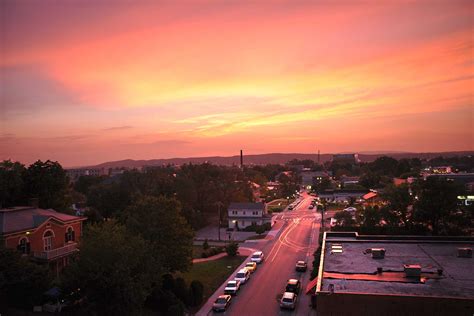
(348, 265)
(246, 206)
(26, 217)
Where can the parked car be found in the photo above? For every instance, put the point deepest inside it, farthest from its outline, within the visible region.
(257, 257)
(290, 207)
(251, 266)
(311, 206)
(221, 303)
(288, 300)
(243, 275)
(293, 286)
(301, 266)
(232, 287)
(350, 209)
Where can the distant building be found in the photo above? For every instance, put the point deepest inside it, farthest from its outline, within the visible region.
(394, 275)
(241, 215)
(74, 174)
(43, 235)
(343, 195)
(346, 158)
(346, 180)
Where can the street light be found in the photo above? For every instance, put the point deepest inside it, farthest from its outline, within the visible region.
(219, 205)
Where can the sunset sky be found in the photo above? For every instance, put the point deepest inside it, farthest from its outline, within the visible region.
(84, 82)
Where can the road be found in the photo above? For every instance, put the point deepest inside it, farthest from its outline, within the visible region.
(297, 241)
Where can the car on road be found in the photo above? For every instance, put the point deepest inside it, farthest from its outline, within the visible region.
(232, 287)
(290, 208)
(251, 266)
(301, 266)
(311, 206)
(221, 303)
(288, 300)
(257, 257)
(243, 275)
(350, 209)
(293, 285)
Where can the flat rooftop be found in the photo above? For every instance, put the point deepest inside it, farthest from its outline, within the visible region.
(349, 267)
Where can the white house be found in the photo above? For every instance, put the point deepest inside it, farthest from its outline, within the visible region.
(241, 215)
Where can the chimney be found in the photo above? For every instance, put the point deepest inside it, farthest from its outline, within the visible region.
(241, 159)
(412, 270)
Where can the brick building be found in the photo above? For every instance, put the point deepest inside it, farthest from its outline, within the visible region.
(43, 235)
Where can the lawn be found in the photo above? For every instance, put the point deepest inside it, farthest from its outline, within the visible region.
(212, 273)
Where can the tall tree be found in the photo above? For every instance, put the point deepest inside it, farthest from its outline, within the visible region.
(11, 183)
(396, 211)
(159, 221)
(22, 282)
(437, 203)
(48, 182)
(115, 269)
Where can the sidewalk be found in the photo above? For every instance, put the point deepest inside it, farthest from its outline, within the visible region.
(206, 309)
(215, 257)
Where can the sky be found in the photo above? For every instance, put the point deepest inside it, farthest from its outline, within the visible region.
(84, 82)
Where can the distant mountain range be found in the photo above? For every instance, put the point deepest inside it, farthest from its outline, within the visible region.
(273, 158)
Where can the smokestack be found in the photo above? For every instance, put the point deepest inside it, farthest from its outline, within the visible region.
(241, 159)
(318, 157)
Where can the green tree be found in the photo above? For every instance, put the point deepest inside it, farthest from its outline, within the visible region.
(369, 217)
(109, 199)
(196, 291)
(437, 203)
(11, 183)
(159, 221)
(22, 282)
(344, 219)
(232, 249)
(398, 201)
(48, 182)
(115, 270)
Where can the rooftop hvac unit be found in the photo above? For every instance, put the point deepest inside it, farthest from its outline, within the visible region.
(412, 270)
(378, 253)
(465, 252)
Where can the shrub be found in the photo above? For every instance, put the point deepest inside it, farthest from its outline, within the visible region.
(232, 249)
(205, 245)
(196, 290)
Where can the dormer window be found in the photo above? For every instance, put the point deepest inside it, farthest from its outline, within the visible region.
(70, 235)
(24, 246)
(48, 240)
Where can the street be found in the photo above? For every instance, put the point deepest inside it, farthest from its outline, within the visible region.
(296, 241)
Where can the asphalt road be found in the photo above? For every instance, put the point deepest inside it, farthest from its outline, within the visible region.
(296, 241)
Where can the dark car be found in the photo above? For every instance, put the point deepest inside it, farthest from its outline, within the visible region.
(301, 266)
(221, 303)
(293, 286)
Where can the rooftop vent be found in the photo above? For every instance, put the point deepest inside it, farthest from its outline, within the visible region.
(465, 252)
(412, 270)
(378, 253)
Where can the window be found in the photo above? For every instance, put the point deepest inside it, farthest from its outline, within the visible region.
(234, 212)
(24, 246)
(48, 240)
(70, 235)
(244, 212)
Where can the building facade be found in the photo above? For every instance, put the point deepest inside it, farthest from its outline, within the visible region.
(241, 215)
(43, 235)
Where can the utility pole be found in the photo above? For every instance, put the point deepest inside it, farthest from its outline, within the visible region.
(219, 205)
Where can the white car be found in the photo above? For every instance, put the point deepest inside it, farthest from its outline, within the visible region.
(242, 276)
(232, 287)
(350, 209)
(257, 257)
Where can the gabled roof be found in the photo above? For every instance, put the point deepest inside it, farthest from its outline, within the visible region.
(246, 206)
(23, 218)
(369, 195)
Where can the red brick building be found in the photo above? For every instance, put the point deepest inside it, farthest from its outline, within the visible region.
(44, 235)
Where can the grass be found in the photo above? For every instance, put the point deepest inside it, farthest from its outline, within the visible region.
(212, 273)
